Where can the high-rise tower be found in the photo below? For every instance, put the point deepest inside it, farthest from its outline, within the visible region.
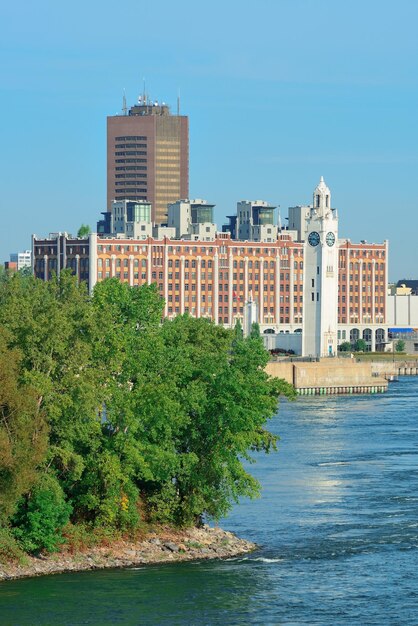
(148, 156)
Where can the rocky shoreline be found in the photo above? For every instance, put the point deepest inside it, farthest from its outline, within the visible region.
(168, 546)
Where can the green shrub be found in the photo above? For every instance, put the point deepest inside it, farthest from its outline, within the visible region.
(345, 346)
(41, 516)
(9, 548)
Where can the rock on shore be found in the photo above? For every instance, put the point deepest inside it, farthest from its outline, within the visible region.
(165, 547)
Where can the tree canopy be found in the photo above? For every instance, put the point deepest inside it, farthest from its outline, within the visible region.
(113, 417)
(83, 231)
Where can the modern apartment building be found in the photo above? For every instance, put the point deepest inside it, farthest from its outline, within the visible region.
(148, 157)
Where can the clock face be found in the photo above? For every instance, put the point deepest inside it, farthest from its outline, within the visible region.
(330, 239)
(313, 238)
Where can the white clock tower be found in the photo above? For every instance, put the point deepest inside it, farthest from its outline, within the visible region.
(320, 290)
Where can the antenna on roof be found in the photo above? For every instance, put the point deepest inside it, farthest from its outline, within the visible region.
(178, 101)
(124, 107)
(144, 95)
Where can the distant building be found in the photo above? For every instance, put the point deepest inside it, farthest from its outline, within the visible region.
(192, 219)
(148, 157)
(62, 251)
(19, 260)
(306, 281)
(402, 313)
(255, 221)
(407, 286)
(129, 218)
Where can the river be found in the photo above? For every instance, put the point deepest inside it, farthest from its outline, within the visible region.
(337, 524)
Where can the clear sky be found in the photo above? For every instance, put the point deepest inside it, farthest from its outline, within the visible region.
(278, 92)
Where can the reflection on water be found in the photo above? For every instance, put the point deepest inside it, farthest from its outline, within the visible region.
(337, 524)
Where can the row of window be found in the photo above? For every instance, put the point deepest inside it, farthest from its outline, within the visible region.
(365, 310)
(364, 252)
(369, 266)
(130, 161)
(122, 183)
(131, 138)
(130, 145)
(130, 176)
(130, 167)
(130, 189)
(364, 299)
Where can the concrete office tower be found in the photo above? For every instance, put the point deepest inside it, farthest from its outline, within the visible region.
(148, 156)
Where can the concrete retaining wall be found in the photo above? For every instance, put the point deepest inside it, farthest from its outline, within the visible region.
(281, 370)
(329, 376)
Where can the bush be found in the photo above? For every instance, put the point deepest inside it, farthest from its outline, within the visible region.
(9, 548)
(400, 345)
(360, 346)
(345, 346)
(41, 516)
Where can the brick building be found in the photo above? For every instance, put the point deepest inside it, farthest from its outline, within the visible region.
(297, 285)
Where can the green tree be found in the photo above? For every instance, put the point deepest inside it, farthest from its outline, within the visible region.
(56, 330)
(23, 433)
(142, 414)
(203, 399)
(400, 345)
(360, 346)
(255, 330)
(345, 347)
(107, 493)
(84, 231)
(238, 331)
(41, 516)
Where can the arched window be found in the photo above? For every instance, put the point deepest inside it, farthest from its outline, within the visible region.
(354, 335)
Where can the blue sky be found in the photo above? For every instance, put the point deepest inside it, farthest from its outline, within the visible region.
(278, 92)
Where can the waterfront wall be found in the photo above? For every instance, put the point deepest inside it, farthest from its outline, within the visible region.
(389, 369)
(329, 376)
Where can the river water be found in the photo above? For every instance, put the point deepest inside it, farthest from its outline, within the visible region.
(337, 524)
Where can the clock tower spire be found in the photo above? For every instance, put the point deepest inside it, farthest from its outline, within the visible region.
(322, 197)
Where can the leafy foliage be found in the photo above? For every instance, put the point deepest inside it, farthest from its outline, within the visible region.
(23, 433)
(345, 346)
(360, 345)
(41, 515)
(400, 345)
(83, 231)
(112, 417)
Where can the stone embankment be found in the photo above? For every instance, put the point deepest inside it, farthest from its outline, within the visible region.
(165, 547)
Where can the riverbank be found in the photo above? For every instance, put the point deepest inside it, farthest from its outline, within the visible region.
(167, 546)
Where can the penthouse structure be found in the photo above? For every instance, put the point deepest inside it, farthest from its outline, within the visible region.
(302, 281)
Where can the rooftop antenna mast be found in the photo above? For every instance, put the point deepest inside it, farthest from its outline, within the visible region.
(124, 107)
(178, 102)
(144, 95)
